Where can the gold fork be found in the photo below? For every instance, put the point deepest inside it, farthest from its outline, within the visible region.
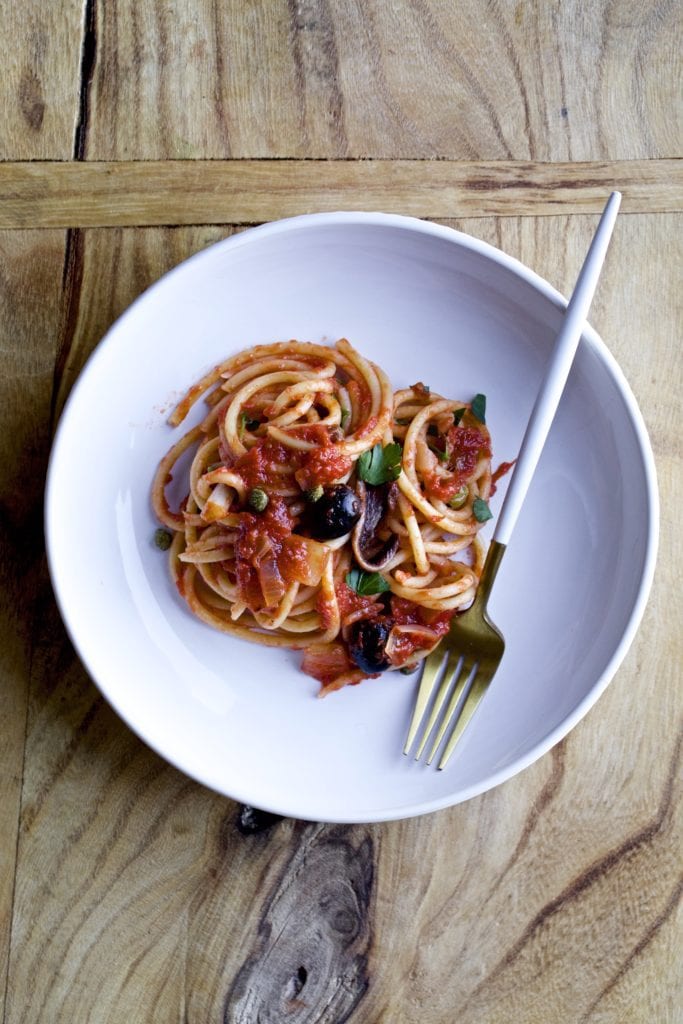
(475, 646)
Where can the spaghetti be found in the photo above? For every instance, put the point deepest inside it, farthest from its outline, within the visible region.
(325, 512)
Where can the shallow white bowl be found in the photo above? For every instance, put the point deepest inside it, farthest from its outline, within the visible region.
(429, 304)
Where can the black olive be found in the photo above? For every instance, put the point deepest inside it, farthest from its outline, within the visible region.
(335, 513)
(367, 645)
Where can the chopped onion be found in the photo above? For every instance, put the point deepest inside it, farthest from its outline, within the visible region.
(271, 581)
(421, 639)
(303, 560)
(325, 662)
(217, 503)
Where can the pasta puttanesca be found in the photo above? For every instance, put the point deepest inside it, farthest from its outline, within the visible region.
(299, 436)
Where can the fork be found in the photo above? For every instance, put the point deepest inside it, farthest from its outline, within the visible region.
(473, 644)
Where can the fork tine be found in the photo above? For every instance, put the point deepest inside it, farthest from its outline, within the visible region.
(480, 684)
(447, 679)
(464, 675)
(427, 683)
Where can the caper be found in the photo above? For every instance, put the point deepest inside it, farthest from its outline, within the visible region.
(459, 498)
(162, 539)
(257, 499)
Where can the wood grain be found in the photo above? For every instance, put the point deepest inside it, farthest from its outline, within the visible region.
(427, 78)
(39, 85)
(553, 897)
(238, 192)
(29, 260)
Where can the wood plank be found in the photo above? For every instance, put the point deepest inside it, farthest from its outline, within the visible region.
(31, 266)
(193, 192)
(469, 80)
(553, 897)
(40, 83)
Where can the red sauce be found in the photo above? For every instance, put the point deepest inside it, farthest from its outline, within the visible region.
(274, 524)
(504, 468)
(465, 446)
(314, 433)
(405, 613)
(323, 466)
(404, 645)
(256, 466)
(350, 602)
(292, 560)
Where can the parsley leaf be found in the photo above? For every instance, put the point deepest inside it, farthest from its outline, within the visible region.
(478, 407)
(380, 465)
(481, 511)
(458, 415)
(345, 416)
(366, 583)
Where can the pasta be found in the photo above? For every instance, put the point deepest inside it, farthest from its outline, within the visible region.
(325, 512)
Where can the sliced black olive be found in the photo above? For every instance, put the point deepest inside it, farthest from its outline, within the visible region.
(367, 645)
(335, 513)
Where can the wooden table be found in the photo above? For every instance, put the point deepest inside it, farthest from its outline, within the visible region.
(135, 133)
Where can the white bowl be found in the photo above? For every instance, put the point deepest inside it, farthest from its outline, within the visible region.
(427, 303)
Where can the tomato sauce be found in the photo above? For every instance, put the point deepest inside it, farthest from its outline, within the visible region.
(504, 468)
(405, 613)
(256, 466)
(323, 466)
(465, 446)
(351, 603)
(272, 526)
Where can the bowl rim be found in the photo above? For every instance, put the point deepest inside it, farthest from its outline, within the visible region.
(350, 218)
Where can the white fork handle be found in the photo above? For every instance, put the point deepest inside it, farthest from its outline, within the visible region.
(556, 374)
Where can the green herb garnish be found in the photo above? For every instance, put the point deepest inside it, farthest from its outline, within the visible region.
(481, 511)
(366, 583)
(402, 422)
(380, 465)
(478, 407)
(345, 416)
(163, 539)
(458, 415)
